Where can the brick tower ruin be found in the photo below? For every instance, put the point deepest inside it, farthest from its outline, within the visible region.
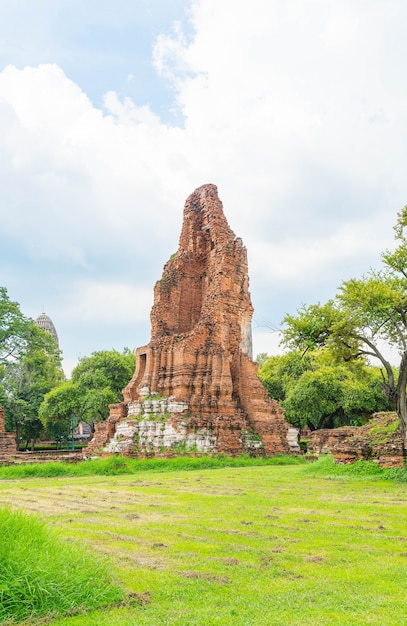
(195, 386)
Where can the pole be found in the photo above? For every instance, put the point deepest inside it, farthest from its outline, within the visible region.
(72, 428)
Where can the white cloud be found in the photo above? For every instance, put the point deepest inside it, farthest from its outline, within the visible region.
(296, 110)
(107, 303)
(295, 258)
(266, 340)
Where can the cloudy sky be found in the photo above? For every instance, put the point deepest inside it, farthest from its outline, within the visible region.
(112, 113)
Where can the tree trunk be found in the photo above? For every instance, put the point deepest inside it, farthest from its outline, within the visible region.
(18, 441)
(401, 405)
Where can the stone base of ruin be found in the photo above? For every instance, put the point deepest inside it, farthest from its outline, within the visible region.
(151, 431)
(374, 441)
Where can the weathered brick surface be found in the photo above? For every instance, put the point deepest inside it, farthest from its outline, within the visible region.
(7, 440)
(375, 441)
(104, 431)
(200, 348)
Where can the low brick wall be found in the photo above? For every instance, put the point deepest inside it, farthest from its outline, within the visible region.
(7, 440)
(379, 440)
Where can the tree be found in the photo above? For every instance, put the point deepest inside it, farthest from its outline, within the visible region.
(30, 366)
(17, 332)
(280, 372)
(25, 384)
(317, 392)
(366, 314)
(96, 382)
(57, 409)
(115, 368)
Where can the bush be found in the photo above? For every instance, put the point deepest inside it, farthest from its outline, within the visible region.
(326, 466)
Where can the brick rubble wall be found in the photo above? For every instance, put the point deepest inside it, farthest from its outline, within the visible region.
(369, 442)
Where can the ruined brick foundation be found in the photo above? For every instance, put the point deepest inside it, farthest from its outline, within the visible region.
(195, 387)
(379, 440)
(7, 440)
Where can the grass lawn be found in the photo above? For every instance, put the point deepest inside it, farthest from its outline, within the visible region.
(254, 545)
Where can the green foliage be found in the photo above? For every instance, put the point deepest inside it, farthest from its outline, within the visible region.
(154, 396)
(279, 373)
(15, 329)
(42, 575)
(106, 366)
(96, 382)
(57, 408)
(381, 434)
(365, 311)
(318, 392)
(30, 365)
(326, 466)
(25, 383)
(366, 314)
(397, 259)
(316, 397)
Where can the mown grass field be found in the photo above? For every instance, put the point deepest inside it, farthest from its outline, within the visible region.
(235, 546)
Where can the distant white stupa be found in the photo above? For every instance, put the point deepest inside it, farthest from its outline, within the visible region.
(46, 323)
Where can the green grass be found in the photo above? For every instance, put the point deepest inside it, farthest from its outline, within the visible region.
(326, 466)
(236, 546)
(115, 465)
(40, 574)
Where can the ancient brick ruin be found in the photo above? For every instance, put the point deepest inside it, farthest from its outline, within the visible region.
(379, 440)
(7, 440)
(195, 386)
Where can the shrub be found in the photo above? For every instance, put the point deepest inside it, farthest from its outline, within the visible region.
(326, 466)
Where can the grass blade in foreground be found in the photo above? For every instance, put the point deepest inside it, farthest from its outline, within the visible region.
(40, 574)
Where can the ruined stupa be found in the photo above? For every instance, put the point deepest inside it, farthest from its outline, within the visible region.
(195, 386)
(45, 323)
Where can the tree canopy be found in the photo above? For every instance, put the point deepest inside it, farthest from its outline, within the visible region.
(18, 332)
(367, 316)
(318, 392)
(96, 382)
(25, 383)
(30, 366)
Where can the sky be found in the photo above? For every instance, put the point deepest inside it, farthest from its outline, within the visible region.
(112, 113)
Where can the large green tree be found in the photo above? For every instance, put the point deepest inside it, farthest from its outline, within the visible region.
(30, 366)
(25, 383)
(17, 332)
(367, 317)
(318, 392)
(279, 373)
(96, 382)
